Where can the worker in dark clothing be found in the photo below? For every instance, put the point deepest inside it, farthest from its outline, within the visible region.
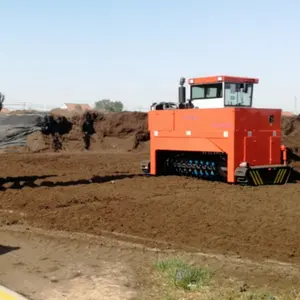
(52, 128)
(56, 129)
(88, 130)
(56, 135)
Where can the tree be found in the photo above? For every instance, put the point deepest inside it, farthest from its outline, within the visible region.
(2, 98)
(108, 105)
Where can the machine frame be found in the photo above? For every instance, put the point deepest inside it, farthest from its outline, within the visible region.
(234, 144)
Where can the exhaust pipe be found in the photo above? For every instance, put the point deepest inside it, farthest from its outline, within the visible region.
(181, 92)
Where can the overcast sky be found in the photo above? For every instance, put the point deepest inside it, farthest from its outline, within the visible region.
(135, 51)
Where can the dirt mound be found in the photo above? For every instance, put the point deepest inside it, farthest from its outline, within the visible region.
(291, 133)
(125, 131)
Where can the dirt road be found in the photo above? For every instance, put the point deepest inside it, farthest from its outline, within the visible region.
(48, 266)
(53, 265)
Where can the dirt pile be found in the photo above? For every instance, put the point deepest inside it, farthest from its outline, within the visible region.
(125, 131)
(291, 133)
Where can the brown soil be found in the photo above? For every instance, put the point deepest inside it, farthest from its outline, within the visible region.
(291, 133)
(124, 131)
(103, 193)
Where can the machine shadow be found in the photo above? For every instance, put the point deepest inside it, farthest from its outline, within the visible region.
(292, 156)
(95, 179)
(7, 249)
(295, 176)
(17, 182)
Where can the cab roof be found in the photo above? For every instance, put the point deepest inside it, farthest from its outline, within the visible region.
(222, 78)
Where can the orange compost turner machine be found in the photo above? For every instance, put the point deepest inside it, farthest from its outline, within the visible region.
(217, 135)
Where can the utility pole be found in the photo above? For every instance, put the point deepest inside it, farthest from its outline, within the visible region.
(296, 110)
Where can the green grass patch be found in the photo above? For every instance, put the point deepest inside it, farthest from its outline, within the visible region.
(183, 275)
(258, 296)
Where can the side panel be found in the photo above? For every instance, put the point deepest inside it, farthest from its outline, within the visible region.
(275, 149)
(161, 120)
(261, 149)
(251, 151)
(210, 124)
(258, 136)
(202, 130)
(190, 144)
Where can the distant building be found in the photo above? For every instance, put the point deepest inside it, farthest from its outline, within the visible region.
(76, 107)
(288, 114)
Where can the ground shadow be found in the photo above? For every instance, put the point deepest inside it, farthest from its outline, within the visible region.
(95, 179)
(292, 156)
(295, 176)
(21, 182)
(7, 249)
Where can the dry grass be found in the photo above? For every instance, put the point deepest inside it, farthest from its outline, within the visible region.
(173, 279)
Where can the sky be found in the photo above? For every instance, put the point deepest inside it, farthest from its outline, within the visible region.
(58, 51)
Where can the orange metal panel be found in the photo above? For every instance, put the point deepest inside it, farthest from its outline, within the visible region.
(275, 150)
(240, 79)
(221, 78)
(205, 130)
(244, 134)
(192, 119)
(205, 80)
(190, 144)
(204, 119)
(250, 150)
(254, 118)
(197, 133)
(161, 120)
(253, 133)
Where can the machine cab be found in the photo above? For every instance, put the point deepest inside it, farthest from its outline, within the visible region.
(221, 91)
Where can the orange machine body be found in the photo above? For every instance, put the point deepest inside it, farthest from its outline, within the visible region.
(217, 134)
(244, 134)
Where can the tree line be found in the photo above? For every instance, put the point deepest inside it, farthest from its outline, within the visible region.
(108, 105)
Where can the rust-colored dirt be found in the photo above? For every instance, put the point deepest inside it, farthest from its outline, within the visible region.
(102, 191)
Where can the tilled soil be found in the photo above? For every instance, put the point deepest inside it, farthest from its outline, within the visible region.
(105, 194)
